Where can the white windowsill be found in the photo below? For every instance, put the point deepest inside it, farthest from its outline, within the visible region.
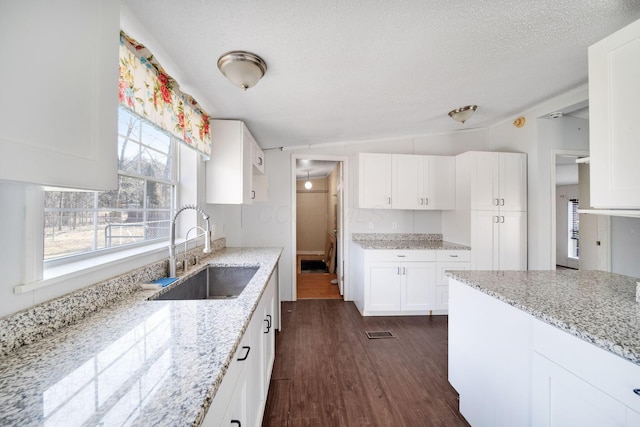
(59, 273)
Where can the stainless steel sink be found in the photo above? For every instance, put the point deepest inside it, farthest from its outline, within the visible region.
(212, 283)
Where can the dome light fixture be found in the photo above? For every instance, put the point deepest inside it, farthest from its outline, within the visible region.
(308, 184)
(243, 69)
(462, 114)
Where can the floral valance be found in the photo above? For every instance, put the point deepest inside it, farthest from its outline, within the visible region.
(147, 90)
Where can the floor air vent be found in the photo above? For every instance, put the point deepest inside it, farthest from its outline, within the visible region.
(379, 334)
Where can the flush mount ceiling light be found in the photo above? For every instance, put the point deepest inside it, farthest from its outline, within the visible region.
(462, 114)
(308, 184)
(243, 69)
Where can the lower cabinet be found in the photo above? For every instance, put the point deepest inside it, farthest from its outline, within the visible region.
(448, 260)
(399, 282)
(512, 369)
(242, 395)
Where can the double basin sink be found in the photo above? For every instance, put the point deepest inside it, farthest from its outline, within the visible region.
(212, 283)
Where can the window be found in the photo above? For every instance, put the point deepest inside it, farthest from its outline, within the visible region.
(138, 211)
(574, 228)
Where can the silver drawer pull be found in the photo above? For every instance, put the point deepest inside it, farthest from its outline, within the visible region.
(401, 256)
(453, 256)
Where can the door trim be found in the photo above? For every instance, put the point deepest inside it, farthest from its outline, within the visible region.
(343, 258)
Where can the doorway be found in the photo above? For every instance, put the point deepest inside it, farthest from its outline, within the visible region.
(318, 195)
(586, 238)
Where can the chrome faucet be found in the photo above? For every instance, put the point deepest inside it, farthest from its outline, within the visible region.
(172, 237)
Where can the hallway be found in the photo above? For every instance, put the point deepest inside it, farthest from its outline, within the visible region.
(328, 373)
(316, 286)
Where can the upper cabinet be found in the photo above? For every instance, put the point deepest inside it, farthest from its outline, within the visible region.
(59, 103)
(257, 158)
(374, 181)
(230, 171)
(406, 181)
(423, 182)
(498, 181)
(614, 128)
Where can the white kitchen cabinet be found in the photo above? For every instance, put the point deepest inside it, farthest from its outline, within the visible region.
(510, 368)
(448, 260)
(574, 380)
(406, 181)
(374, 181)
(498, 240)
(230, 170)
(490, 214)
(59, 126)
(423, 182)
(614, 129)
(242, 395)
(257, 158)
(398, 282)
(563, 399)
(489, 358)
(498, 181)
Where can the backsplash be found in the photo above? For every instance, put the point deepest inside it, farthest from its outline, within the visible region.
(397, 236)
(33, 323)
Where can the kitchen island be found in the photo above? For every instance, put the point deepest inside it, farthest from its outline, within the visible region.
(137, 361)
(545, 348)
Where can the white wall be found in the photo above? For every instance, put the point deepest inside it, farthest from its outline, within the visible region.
(625, 246)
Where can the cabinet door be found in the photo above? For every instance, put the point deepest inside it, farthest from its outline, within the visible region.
(484, 240)
(512, 246)
(438, 180)
(484, 176)
(236, 413)
(257, 157)
(374, 181)
(512, 181)
(418, 286)
(59, 124)
(384, 287)
(269, 334)
(406, 175)
(253, 407)
(441, 277)
(560, 398)
(614, 129)
(248, 193)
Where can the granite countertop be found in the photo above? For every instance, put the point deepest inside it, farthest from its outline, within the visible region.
(596, 306)
(411, 244)
(425, 241)
(136, 362)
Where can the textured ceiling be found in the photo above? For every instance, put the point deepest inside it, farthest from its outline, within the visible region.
(354, 69)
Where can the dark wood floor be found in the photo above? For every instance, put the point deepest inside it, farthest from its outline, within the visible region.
(328, 373)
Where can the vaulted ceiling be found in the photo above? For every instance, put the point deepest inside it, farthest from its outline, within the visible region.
(342, 70)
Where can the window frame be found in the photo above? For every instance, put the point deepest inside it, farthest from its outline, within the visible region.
(173, 182)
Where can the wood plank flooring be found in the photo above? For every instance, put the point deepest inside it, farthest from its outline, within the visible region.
(328, 373)
(316, 285)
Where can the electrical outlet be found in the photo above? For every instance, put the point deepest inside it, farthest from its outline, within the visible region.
(370, 225)
(394, 225)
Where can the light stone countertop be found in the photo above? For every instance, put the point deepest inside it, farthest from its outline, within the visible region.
(136, 362)
(423, 241)
(434, 245)
(596, 306)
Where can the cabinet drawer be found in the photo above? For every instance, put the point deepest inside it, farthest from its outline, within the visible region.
(453, 256)
(604, 370)
(399, 255)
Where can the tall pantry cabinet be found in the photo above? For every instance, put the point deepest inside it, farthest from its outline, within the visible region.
(491, 209)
